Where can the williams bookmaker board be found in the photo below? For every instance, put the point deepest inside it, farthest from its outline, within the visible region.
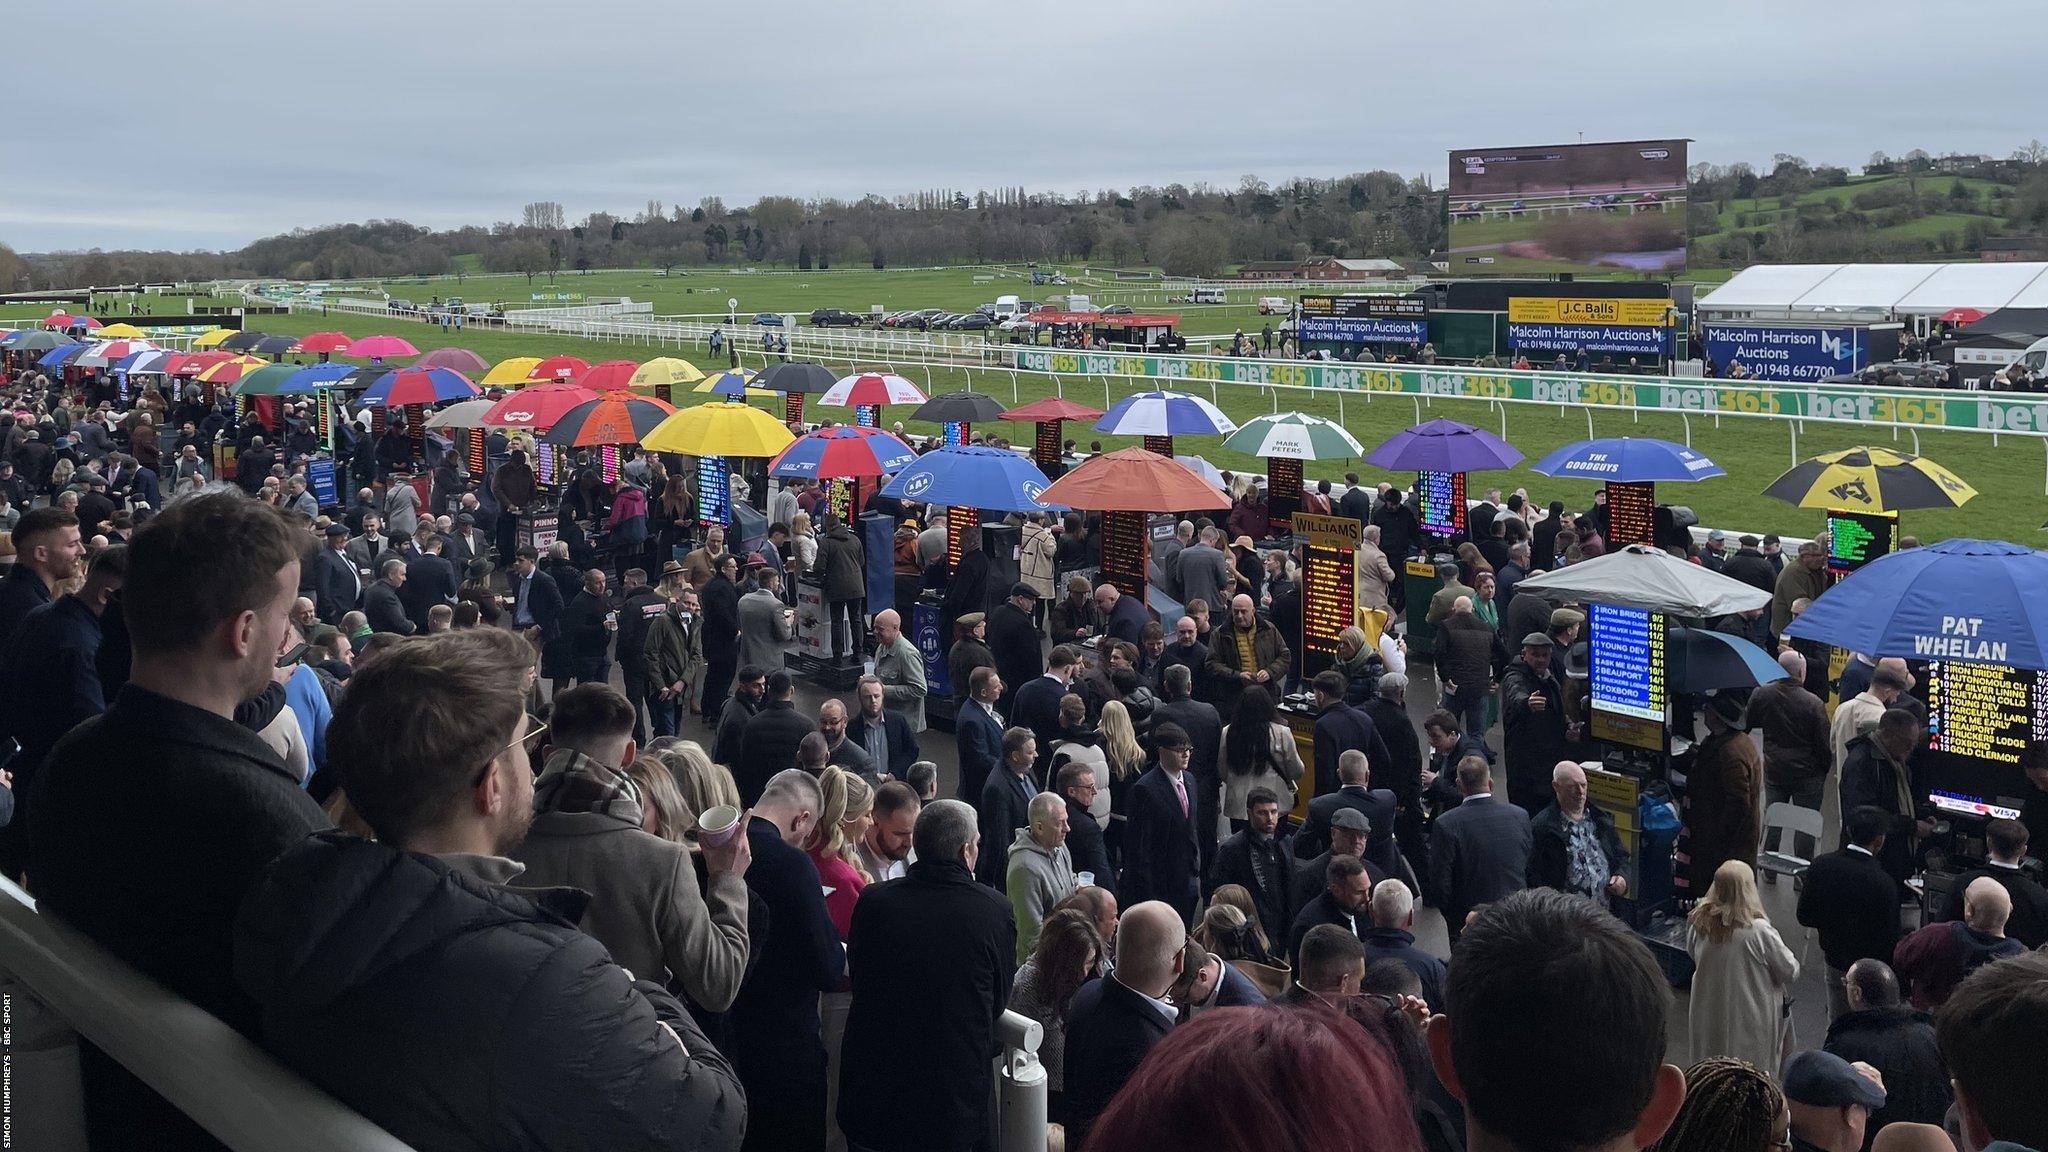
(1329, 586)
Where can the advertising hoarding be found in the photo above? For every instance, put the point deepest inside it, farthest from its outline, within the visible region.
(1784, 351)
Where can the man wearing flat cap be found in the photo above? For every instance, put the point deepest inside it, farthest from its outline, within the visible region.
(1723, 786)
(1534, 728)
(1830, 1101)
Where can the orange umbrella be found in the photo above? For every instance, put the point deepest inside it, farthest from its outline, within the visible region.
(612, 418)
(1134, 480)
(1052, 408)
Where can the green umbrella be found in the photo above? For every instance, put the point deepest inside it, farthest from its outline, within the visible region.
(267, 381)
(1294, 436)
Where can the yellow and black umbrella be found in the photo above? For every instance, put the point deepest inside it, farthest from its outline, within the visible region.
(1870, 480)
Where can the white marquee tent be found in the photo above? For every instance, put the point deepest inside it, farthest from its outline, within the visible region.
(1896, 289)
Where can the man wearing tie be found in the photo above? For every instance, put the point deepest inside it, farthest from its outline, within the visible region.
(336, 585)
(1160, 847)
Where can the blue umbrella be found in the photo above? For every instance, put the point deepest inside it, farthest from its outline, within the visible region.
(1704, 661)
(1984, 601)
(973, 477)
(61, 355)
(842, 451)
(1443, 446)
(314, 377)
(418, 386)
(1165, 413)
(1627, 460)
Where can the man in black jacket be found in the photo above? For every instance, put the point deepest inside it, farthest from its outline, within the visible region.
(1573, 845)
(152, 865)
(1018, 644)
(1076, 784)
(1896, 1040)
(1339, 727)
(642, 606)
(1205, 738)
(1852, 902)
(47, 552)
(1344, 901)
(1006, 805)
(1392, 937)
(1260, 861)
(883, 734)
(1113, 1022)
(1036, 702)
(429, 580)
(1478, 851)
(381, 602)
(775, 1041)
(768, 745)
(2006, 843)
(1877, 770)
(336, 585)
(1355, 790)
(536, 1039)
(1161, 857)
(721, 598)
(930, 957)
(750, 688)
(1751, 566)
(1534, 728)
(587, 628)
(1402, 774)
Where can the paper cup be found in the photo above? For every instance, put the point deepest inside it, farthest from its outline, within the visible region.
(1084, 879)
(718, 824)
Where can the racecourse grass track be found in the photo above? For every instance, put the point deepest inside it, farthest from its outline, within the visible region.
(2009, 474)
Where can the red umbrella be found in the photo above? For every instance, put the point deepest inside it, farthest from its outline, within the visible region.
(610, 376)
(194, 363)
(1960, 316)
(378, 347)
(66, 320)
(558, 368)
(1052, 408)
(1134, 480)
(539, 406)
(328, 342)
(612, 418)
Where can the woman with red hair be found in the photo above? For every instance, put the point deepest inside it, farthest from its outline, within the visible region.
(1254, 1079)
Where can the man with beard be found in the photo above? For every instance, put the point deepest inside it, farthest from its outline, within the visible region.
(47, 551)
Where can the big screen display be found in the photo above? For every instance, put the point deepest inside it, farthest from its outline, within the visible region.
(1568, 208)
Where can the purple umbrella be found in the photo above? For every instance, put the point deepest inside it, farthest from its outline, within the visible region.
(1444, 446)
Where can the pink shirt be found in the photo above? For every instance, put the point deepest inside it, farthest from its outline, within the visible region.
(846, 884)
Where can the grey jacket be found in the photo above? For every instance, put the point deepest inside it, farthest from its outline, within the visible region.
(901, 669)
(1039, 877)
(763, 631)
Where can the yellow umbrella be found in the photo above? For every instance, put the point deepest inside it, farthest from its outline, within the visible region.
(719, 429)
(229, 371)
(212, 338)
(730, 381)
(663, 371)
(121, 332)
(509, 373)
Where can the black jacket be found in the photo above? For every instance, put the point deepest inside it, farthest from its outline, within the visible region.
(1899, 1043)
(1018, 645)
(978, 747)
(1550, 847)
(1036, 706)
(543, 603)
(641, 607)
(1312, 878)
(1204, 727)
(721, 603)
(1084, 845)
(2029, 921)
(1005, 806)
(378, 972)
(776, 1014)
(335, 585)
(1275, 898)
(386, 612)
(583, 627)
(1399, 944)
(1402, 773)
(903, 746)
(1853, 903)
(1478, 853)
(769, 745)
(21, 592)
(1753, 568)
(429, 580)
(730, 739)
(1375, 804)
(1532, 741)
(1340, 728)
(49, 683)
(1465, 649)
(152, 865)
(1869, 776)
(1110, 1028)
(1161, 856)
(931, 957)
(1322, 909)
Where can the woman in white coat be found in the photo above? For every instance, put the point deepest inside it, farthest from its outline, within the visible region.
(1742, 972)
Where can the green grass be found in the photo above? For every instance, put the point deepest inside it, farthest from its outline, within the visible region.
(1841, 195)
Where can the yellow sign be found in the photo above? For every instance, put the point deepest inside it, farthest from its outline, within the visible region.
(1420, 568)
(1571, 310)
(1319, 531)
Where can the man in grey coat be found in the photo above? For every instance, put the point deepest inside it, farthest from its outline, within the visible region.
(1040, 871)
(765, 623)
(900, 668)
(1204, 572)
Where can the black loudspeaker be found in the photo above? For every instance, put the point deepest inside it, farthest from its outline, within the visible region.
(1001, 542)
(1673, 524)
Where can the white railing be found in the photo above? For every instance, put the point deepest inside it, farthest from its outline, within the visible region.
(206, 1069)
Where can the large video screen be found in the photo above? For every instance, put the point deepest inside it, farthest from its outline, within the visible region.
(1568, 208)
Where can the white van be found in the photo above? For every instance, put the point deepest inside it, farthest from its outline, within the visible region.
(1006, 307)
(1206, 294)
(2036, 357)
(1077, 302)
(1275, 306)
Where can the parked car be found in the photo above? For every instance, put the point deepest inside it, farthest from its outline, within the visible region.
(836, 318)
(922, 318)
(974, 322)
(768, 319)
(1116, 310)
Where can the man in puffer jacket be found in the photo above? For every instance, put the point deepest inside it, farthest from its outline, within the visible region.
(403, 977)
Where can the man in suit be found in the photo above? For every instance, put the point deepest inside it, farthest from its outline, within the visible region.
(1347, 891)
(1852, 902)
(1006, 805)
(382, 603)
(1339, 727)
(930, 959)
(1076, 785)
(536, 601)
(1377, 804)
(766, 624)
(1017, 643)
(978, 733)
(1478, 851)
(468, 542)
(1349, 832)
(1392, 937)
(1123, 617)
(775, 1045)
(1036, 704)
(336, 586)
(1160, 850)
(1208, 981)
(1113, 1022)
(429, 580)
(366, 550)
(2006, 843)
(883, 734)
(1205, 738)
(1261, 862)
(769, 743)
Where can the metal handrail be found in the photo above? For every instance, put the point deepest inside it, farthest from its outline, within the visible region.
(205, 1069)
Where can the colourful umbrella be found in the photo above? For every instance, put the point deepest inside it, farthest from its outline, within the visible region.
(61, 355)
(610, 376)
(719, 429)
(314, 377)
(156, 360)
(267, 381)
(330, 343)
(378, 347)
(538, 406)
(232, 369)
(460, 359)
(509, 373)
(558, 368)
(212, 338)
(66, 320)
(108, 351)
(1134, 480)
(973, 476)
(843, 451)
(865, 388)
(462, 414)
(1294, 436)
(419, 386)
(1872, 479)
(1443, 446)
(121, 332)
(1164, 413)
(1052, 408)
(616, 417)
(1627, 460)
(733, 383)
(663, 371)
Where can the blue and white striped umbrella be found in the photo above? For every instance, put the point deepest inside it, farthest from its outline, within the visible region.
(1165, 413)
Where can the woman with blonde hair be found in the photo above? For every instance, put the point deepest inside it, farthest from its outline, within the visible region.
(1742, 971)
(703, 785)
(1126, 760)
(803, 542)
(662, 810)
(849, 809)
(1253, 942)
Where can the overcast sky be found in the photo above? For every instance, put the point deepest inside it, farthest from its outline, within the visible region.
(150, 125)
